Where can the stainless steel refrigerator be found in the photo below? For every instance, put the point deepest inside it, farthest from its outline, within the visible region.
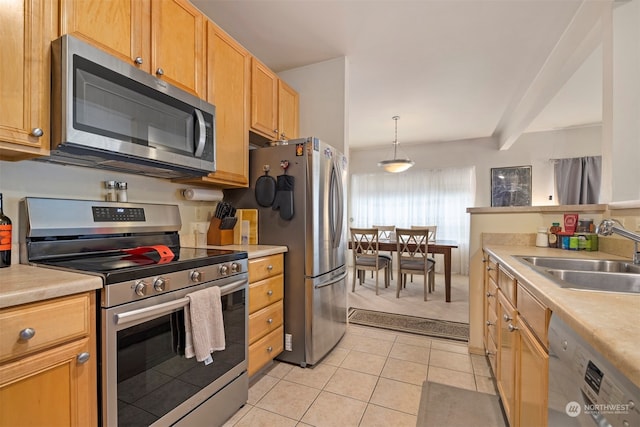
(307, 215)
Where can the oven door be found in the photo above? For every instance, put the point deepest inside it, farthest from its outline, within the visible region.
(145, 379)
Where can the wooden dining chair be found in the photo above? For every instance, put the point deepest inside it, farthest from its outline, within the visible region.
(366, 256)
(432, 238)
(413, 258)
(386, 232)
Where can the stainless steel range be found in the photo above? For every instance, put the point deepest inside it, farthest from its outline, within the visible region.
(144, 376)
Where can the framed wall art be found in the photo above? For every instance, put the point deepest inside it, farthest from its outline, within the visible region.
(511, 186)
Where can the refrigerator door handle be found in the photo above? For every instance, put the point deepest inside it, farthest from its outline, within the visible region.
(337, 212)
(331, 281)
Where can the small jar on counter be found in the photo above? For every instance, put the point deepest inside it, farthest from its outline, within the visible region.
(122, 192)
(542, 240)
(553, 235)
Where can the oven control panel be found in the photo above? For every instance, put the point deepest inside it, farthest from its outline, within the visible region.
(146, 287)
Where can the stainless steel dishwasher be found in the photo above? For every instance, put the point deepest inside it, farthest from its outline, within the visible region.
(585, 389)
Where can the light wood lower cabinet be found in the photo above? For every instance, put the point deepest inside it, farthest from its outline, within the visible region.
(516, 343)
(48, 370)
(266, 316)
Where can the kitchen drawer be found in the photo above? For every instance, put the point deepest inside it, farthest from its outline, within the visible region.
(507, 284)
(269, 266)
(534, 314)
(265, 292)
(265, 349)
(54, 322)
(264, 321)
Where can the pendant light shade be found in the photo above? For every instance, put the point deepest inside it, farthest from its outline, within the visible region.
(396, 165)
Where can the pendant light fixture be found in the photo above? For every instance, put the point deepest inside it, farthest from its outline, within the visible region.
(396, 165)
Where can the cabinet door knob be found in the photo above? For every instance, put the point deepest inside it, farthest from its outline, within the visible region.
(269, 267)
(269, 321)
(490, 323)
(489, 268)
(160, 72)
(507, 318)
(138, 60)
(37, 132)
(512, 328)
(269, 349)
(489, 294)
(83, 357)
(27, 333)
(269, 292)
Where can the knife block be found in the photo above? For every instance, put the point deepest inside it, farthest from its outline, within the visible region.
(218, 237)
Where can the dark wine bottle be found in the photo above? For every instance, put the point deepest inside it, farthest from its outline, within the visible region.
(5, 238)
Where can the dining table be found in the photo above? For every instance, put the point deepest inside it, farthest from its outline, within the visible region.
(436, 247)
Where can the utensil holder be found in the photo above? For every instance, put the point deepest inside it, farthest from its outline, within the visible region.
(218, 237)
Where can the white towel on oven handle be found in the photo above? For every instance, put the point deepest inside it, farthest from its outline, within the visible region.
(204, 325)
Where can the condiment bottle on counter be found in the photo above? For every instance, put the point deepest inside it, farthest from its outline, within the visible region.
(553, 235)
(542, 239)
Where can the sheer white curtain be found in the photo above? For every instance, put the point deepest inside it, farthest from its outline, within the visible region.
(423, 197)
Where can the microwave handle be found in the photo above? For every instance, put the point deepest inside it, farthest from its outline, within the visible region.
(200, 134)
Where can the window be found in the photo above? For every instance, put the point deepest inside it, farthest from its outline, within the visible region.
(429, 197)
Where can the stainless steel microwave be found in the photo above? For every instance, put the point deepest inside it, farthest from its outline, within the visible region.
(108, 114)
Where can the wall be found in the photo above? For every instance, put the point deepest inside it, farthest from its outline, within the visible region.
(626, 101)
(535, 149)
(323, 100)
(37, 179)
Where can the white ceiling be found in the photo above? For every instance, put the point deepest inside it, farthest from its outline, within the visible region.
(451, 69)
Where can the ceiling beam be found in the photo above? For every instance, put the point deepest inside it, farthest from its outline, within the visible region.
(580, 38)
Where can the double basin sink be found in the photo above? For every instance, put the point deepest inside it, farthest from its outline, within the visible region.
(588, 274)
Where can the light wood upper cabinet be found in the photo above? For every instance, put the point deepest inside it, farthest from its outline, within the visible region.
(274, 104)
(264, 100)
(162, 37)
(288, 107)
(116, 26)
(26, 30)
(177, 44)
(228, 87)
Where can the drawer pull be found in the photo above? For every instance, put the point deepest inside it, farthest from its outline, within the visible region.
(490, 323)
(489, 294)
(269, 267)
(27, 333)
(269, 292)
(269, 321)
(83, 357)
(269, 349)
(490, 268)
(506, 318)
(512, 328)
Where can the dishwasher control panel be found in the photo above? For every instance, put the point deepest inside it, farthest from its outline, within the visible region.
(585, 389)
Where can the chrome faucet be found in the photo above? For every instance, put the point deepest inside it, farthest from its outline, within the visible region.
(609, 226)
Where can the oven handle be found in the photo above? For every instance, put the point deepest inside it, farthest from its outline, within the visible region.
(168, 307)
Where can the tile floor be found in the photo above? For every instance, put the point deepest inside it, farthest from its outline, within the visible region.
(372, 378)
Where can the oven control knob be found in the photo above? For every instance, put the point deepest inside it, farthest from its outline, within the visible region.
(235, 267)
(140, 288)
(195, 276)
(160, 284)
(224, 270)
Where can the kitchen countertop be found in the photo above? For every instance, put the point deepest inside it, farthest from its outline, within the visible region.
(254, 251)
(22, 284)
(608, 321)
